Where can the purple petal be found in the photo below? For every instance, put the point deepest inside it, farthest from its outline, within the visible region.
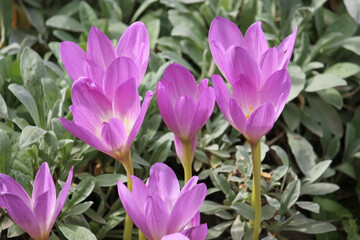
(134, 43)
(276, 90)
(195, 221)
(114, 134)
(203, 85)
(189, 185)
(86, 119)
(240, 64)
(186, 207)
(238, 117)
(85, 135)
(120, 70)
(255, 41)
(95, 73)
(166, 108)
(73, 58)
(179, 147)
(140, 192)
(268, 63)
(223, 96)
(260, 122)
(175, 236)
(126, 103)
(285, 50)
(185, 109)
(163, 183)
(9, 185)
(21, 214)
(222, 35)
(44, 208)
(156, 215)
(196, 233)
(134, 131)
(62, 195)
(178, 81)
(99, 48)
(91, 98)
(246, 95)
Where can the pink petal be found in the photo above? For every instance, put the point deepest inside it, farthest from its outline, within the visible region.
(126, 102)
(91, 98)
(285, 50)
(186, 207)
(260, 122)
(222, 35)
(196, 233)
(73, 58)
(179, 81)
(238, 117)
(223, 96)
(99, 48)
(85, 135)
(241, 64)
(156, 215)
(184, 111)
(175, 236)
(86, 119)
(140, 193)
(189, 185)
(44, 208)
(268, 63)
(195, 221)
(255, 41)
(95, 73)
(114, 134)
(9, 185)
(179, 147)
(134, 131)
(166, 108)
(135, 44)
(246, 95)
(120, 70)
(276, 90)
(62, 196)
(203, 85)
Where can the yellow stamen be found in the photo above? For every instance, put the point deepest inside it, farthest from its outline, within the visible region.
(247, 116)
(251, 108)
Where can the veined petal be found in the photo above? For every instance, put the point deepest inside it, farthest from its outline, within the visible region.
(120, 70)
(114, 133)
(91, 98)
(276, 90)
(186, 207)
(44, 211)
(260, 122)
(73, 58)
(140, 193)
(62, 196)
(222, 35)
(223, 96)
(179, 147)
(195, 221)
(189, 185)
(9, 185)
(241, 64)
(238, 117)
(178, 81)
(203, 85)
(99, 48)
(135, 44)
(196, 233)
(85, 135)
(268, 64)
(175, 236)
(135, 129)
(184, 111)
(95, 73)
(156, 215)
(166, 108)
(245, 94)
(255, 41)
(86, 119)
(285, 50)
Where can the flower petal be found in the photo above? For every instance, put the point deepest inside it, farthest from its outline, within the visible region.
(179, 147)
(166, 108)
(223, 96)
(268, 64)
(179, 81)
(175, 236)
(285, 50)
(114, 134)
(135, 44)
(223, 34)
(95, 73)
(196, 233)
(245, 94)
(238, 117)
(241, 64)
(62, 196)
(135, 129)
(255, 41)
(99, 48)
(276, 90)
(9, 185)
(185, 109)
(260, 122)
(119, 71)
(156, 215)
(86, 119)
(140, 193)
(195, 221)
(185, 208)
(73, 58)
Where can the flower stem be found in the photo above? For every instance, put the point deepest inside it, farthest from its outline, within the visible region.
(141, 236)
(128, 165)
(187, 161)
(256, 193)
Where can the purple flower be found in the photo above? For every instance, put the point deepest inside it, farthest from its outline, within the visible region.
(257, 74)
(184, 106)
(35, 215)
(100, 53)
(160, 210)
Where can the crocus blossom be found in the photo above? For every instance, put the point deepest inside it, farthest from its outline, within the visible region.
(160, 210)
(100, 53)
(260, 82)
(184, 106)
(36, 215)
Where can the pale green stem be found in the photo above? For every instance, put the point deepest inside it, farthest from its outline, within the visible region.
(187, 161)
(256, 193)
(141, 236)
(128, 165)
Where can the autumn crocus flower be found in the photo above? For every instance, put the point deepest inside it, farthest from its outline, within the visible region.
(36, 215)
(160, 210)
(185, 107)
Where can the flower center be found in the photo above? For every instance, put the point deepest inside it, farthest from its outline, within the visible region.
(251, 110)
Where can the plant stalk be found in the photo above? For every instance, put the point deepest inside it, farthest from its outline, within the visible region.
(128, 165)
(256, 193)
(187, 161)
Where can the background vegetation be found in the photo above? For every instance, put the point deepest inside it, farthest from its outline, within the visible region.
(311, 158)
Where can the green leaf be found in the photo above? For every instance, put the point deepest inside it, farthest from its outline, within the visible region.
(290, 196)
(298, 79)
(282, 154)
(343, 69)
(237, 229)
(30, 135)
(79, 209)
(3, 108)
(88, 17)
(107, 180)
(316, 189)
(291, 114)
(353, 7)
(352, 44)
(210, 207)
(333, 207)
(217, 230)
(317, 171)
(51, 91)
(144, 5)
(309, 226)
(324, 81)
(332, 96)
(310, 206)
(64, 22)
(73, 232)
(83, 190)
(5, 152)
(245, 210)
